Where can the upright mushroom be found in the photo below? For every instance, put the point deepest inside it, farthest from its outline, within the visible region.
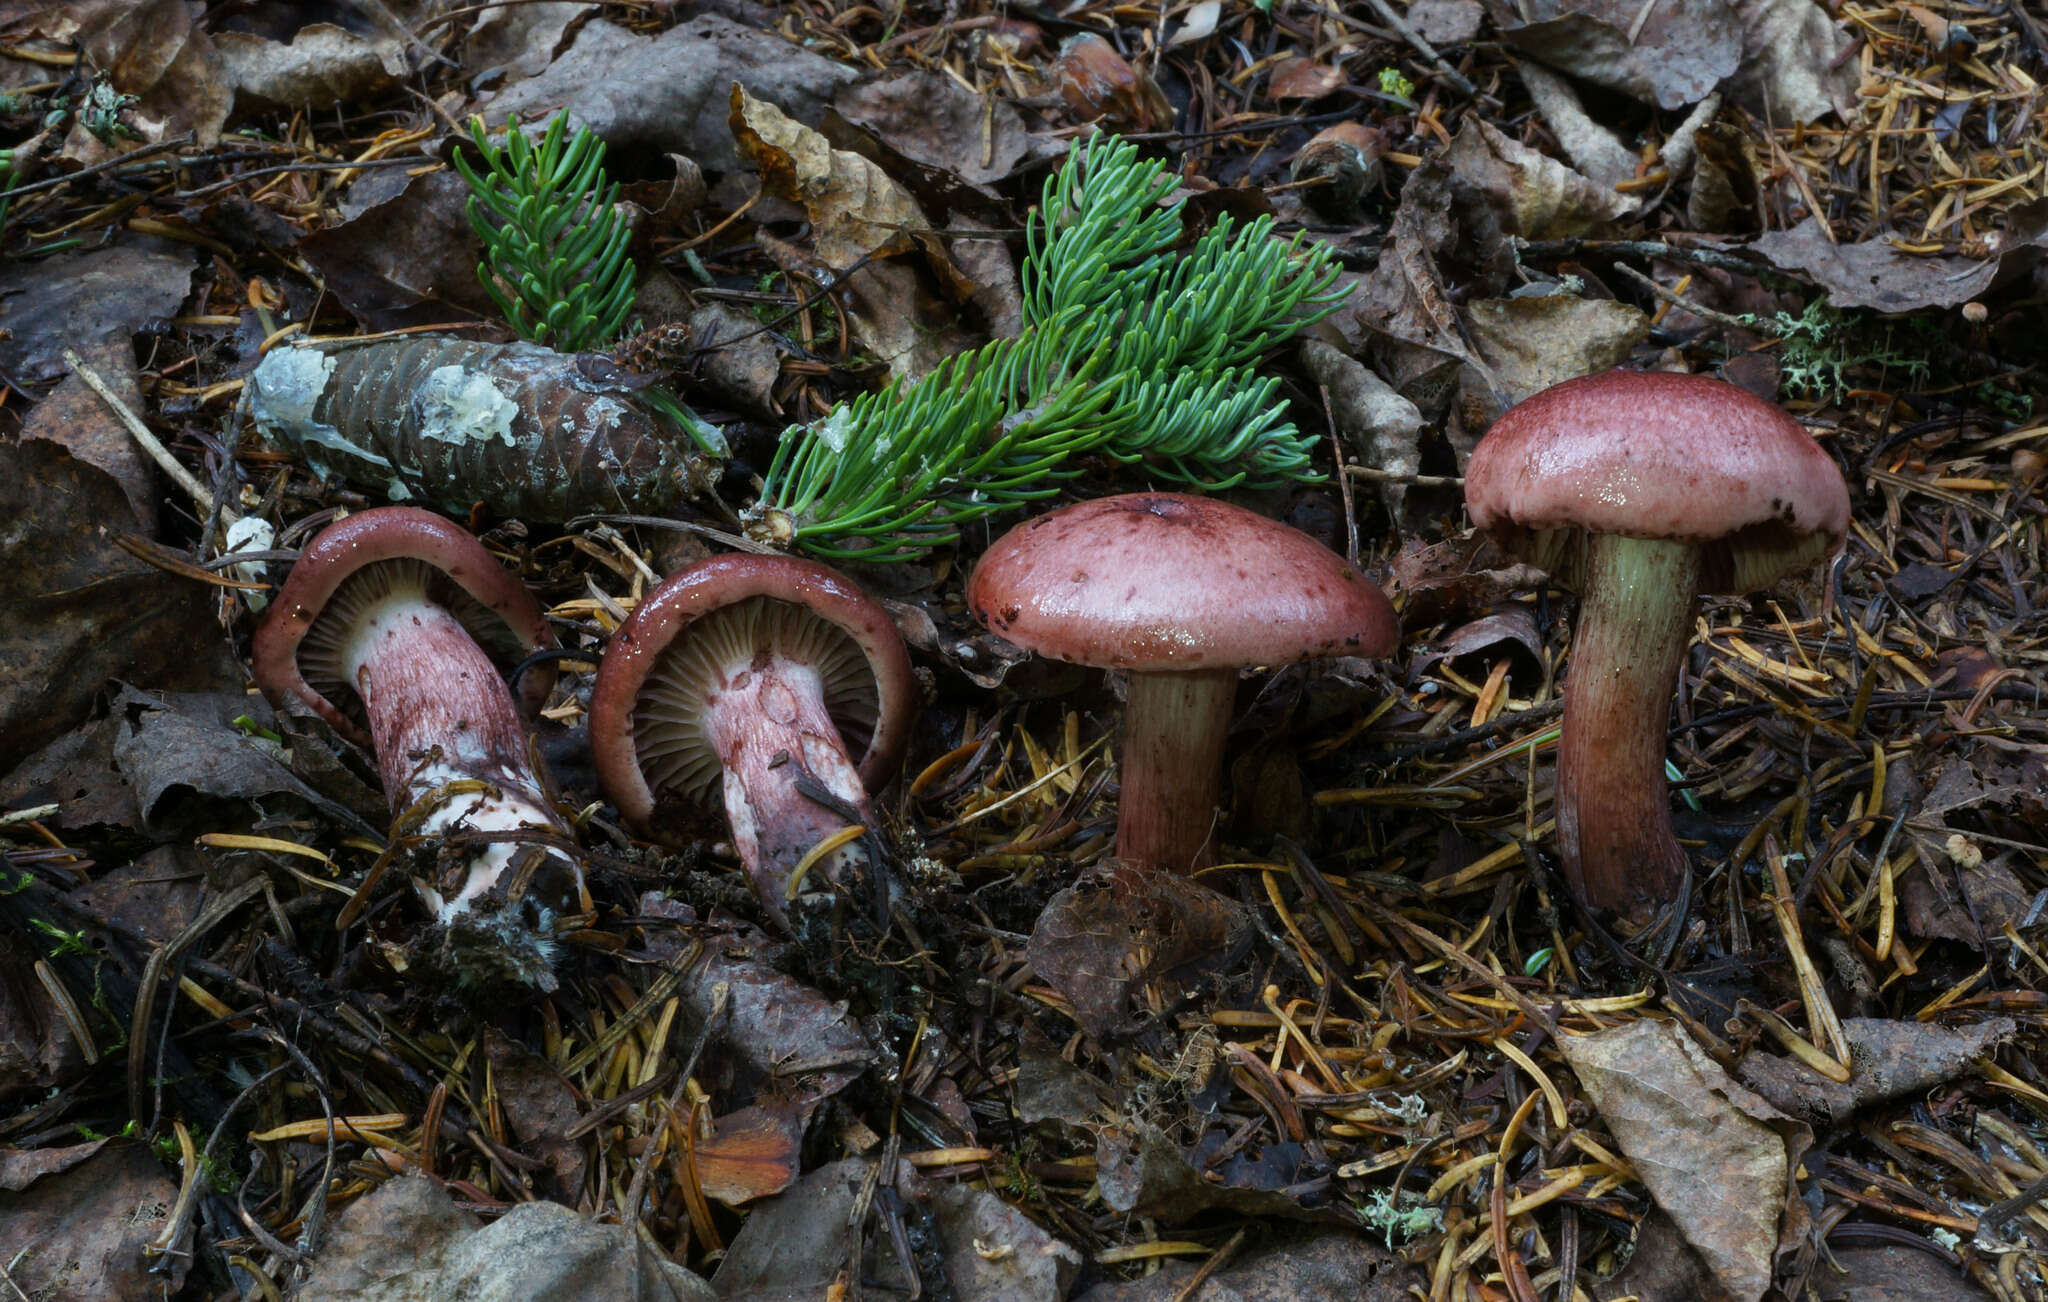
(1183, 592)
(1640, 489)
(395, 626)
(750, 675)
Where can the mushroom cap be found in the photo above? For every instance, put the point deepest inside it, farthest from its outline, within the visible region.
(490, 601)
(664, 619)
(1164, 582)
(1653, 454)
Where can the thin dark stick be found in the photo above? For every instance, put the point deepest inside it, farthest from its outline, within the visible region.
(160, 147)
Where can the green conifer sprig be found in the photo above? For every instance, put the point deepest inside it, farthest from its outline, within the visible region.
(554, 246)
(555, 251)
(1129, 351)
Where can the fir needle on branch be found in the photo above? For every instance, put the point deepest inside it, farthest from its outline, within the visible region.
(1130, 352)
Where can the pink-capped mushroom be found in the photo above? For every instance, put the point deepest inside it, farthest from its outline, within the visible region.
(1638, 490)
(1183, 592)
(770, 685)
(396, 627)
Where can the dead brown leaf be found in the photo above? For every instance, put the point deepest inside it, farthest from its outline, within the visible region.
(320, 66)
(77, 1233)
(75, 609)
(1299, 78)
(37, 1051)
(515, 42)
(752, 1153)
(1796, 61)
(409, 1239)
(1446, 22)
(1142, 1171)
(1668, 55)
(1890, 1273)
(1713, 1155)
(405, 256)
(1537, 197)
(935, 133)
(1445, 231)
(1875, 274)
(88, 300)
(857, 212)
(540, 1108)
(680, 83)
(79, 420)
(1887, 1058)
(1515, 624)
(1455, 579)
(1102, 940)
(1321, 1267)
(1382, 428)
(779, 1035)
(155, 50)
(1533, 343)
(22, 1167)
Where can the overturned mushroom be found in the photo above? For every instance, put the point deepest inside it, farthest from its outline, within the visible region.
(394, 628)
(758, 678)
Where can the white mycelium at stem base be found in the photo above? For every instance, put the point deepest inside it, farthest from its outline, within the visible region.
(439, 713)
(1613, 815)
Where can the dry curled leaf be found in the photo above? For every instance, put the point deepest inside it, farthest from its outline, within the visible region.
(857, 212)
(1299, 78)
(856, 209)
(1382, 428)
(1098, 83)
(1537, 197)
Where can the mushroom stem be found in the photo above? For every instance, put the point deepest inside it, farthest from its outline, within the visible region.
(439, 713)
(768, 722)
(1613, 812)
(1175, 725)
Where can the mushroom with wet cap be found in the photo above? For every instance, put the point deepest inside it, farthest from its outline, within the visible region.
(1639, 490)
(394, 627)
(1183, 592)
(749, 676)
